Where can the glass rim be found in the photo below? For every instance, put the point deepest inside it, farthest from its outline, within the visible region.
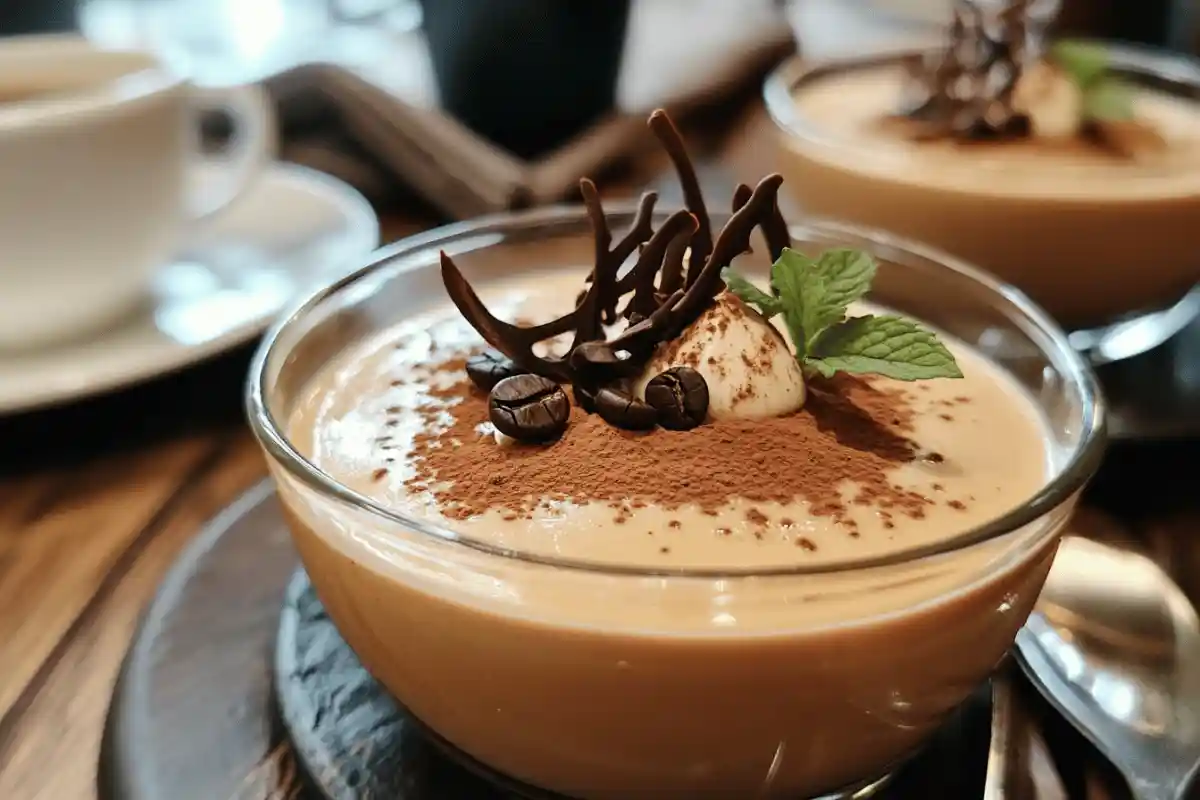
(1176, 69)
(397, 258)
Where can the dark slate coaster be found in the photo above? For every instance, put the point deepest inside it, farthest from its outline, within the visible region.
(356, 743)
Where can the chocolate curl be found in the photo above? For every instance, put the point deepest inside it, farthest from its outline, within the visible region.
(672, 269)
(650, 262)
(602, 295)
(593, 360)
(514, 341)
(607, 262)
(731, 242)
(672, 142)
(774, 227)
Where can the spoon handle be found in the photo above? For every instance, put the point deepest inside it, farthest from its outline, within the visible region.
(1008, 776)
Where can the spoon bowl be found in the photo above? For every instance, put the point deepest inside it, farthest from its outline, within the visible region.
(1114, 644)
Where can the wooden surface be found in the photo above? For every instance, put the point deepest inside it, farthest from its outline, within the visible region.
(98, 499)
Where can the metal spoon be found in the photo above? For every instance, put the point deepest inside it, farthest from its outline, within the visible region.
(1115, 645)
(1007, 776)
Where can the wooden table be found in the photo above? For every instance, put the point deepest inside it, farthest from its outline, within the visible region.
(97, 499)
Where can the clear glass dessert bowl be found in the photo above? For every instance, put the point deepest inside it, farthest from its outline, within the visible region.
(607, 681)
(1089, 240)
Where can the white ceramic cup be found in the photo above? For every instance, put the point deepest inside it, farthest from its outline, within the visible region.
(100, 172)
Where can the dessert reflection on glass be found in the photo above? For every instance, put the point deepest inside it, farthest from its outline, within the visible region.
(675, 512)
(1071, 169)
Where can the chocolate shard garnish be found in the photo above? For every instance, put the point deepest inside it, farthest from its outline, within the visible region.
(600, 362)
(966, 91)
(666, 295)
(672, 267)
(774, 227)
(680, 225)
(732, 241)
(603, 294)
(514, 341)
(672, 142)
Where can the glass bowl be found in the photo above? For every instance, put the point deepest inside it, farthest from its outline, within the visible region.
(1092, 242)
(605, 682)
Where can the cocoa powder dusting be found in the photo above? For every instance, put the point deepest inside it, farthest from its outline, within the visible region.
(756, 517)
(848, 431)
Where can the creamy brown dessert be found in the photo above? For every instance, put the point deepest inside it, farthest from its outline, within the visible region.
(1073, 189)
(692, 586)
(739, 492)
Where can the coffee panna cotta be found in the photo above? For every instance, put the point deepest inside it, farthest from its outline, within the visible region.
(641, 636)
(1071, 171)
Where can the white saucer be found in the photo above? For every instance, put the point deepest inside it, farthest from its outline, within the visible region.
(294, 229)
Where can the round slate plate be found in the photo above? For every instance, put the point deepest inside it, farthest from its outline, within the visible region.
(194, 715)
(355, 742)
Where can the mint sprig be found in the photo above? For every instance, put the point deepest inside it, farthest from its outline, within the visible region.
(813, 296)
(1106, 98)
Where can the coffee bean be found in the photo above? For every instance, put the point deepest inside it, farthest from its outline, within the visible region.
(529, 408)
(623, 410)
(680, 396)
(489, 368)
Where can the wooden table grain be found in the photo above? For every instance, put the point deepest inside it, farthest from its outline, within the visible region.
(97, 499)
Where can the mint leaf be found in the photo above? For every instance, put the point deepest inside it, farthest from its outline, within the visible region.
(813, 295)
(1105, 98)
(848, 275)
(1109, 100)
(800, 289)
(1085, 62)
(885, 345)
(818, 292)
(768, 305)
(818, 366)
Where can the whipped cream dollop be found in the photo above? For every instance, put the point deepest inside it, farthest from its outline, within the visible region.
(1051, 100)
(750, 370)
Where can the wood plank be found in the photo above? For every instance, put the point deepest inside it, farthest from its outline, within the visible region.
(60, 726)
(51, 568)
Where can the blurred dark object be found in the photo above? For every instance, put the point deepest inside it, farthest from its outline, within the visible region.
(526, 74)
(36, 16)
(1164, 23)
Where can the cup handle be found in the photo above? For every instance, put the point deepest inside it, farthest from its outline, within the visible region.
(218, 179)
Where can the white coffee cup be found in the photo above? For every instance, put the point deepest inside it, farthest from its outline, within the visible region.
(100, 172)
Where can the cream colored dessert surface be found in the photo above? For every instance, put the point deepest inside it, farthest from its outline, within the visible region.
(846, 109)
(993, 443)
